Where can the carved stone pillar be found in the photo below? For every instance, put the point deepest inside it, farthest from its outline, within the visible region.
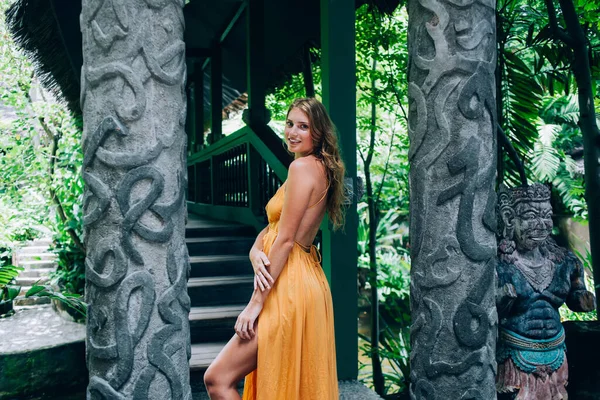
(134, 110)
(453, 162)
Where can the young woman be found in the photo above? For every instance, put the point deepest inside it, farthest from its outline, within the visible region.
(284, 342)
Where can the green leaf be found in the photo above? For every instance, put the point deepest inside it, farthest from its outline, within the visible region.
(35, 290)
(545, 162)
(13, 292)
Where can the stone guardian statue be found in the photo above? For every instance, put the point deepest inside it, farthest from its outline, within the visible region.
(535, 277)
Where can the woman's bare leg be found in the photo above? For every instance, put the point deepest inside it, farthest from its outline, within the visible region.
(234, 362)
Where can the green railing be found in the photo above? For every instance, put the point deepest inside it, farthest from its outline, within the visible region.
(234, 178)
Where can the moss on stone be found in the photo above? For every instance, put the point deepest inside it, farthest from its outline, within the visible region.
(55, 369)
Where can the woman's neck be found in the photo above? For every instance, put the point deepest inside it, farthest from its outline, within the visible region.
(300, 155)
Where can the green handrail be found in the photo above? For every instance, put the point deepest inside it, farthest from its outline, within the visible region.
(243, 135)
(239, 167)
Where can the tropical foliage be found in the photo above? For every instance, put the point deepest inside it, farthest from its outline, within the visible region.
(41, 188)
(8, 291)
(538, 109)
(537, 99)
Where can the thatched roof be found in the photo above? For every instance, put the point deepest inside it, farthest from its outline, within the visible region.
(48, 31)
(45, 29)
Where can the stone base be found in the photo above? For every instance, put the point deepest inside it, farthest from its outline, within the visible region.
(354, 390)
(67, 312)
(22, 301)
(6, 309)
(46, 372)
(41, 355)
(583, 348)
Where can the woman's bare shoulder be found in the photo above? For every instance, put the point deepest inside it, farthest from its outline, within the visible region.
(307, 167)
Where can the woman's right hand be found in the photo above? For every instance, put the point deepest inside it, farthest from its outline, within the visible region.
(260, 262)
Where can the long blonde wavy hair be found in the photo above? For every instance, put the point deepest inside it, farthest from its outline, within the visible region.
(326, 149)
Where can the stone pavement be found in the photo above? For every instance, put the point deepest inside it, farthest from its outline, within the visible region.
(37, 328)
(353, 390)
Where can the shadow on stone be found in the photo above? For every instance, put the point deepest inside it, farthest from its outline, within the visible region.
(583, 347)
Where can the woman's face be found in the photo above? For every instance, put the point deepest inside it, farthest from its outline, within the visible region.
(298, 135)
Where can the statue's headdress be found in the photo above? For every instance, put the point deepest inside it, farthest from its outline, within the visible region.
(512, 196)
(508, 198)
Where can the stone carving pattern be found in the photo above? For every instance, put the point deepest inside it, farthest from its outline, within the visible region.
(137, 267)
(452, 156)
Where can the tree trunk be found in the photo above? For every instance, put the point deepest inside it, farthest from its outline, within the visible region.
(59, 208)
(309, 84)
(378, 380)
(501, 40)
(137, 266)
(452, 128)
(589, 129)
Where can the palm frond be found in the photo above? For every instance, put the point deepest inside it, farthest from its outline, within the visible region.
(545, 162)
(8, 273)
(55, 49)
(521, 110)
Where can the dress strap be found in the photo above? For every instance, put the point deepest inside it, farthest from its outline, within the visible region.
(322, 197)
(312, 249)
(304, 247)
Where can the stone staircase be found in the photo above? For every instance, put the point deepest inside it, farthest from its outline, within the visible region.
(220, 286)
(38, 262)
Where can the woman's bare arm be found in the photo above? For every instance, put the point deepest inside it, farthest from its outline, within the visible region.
(260, 262)
(300, 185)
(258, 245)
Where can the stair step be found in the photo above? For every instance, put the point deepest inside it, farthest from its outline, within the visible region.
(32, 249)
(203, 354)
(31, 301)
(215, 245)
(30, 281)
(33, 273)
(212, 324)
(44, 264)
(24, 290)
(41, 241)
(36, 256)
(220, 290)
(210, 229)
(220, 265)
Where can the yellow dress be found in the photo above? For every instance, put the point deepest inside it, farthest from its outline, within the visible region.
(296, 345)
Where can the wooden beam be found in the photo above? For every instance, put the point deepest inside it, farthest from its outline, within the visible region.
(190, 122)
(216, 95)
(256, 72)
(197, 52)
(232, 21)
(339, 248)
(198, 79)
(309, 85)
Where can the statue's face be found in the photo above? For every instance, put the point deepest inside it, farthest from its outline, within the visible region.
(533, 224)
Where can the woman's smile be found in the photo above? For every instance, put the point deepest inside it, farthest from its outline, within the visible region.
(298, 133)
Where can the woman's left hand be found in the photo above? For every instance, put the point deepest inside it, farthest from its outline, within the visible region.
(246, 321)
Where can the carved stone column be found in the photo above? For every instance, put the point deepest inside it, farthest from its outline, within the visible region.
(134, 145)
(453, 162)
